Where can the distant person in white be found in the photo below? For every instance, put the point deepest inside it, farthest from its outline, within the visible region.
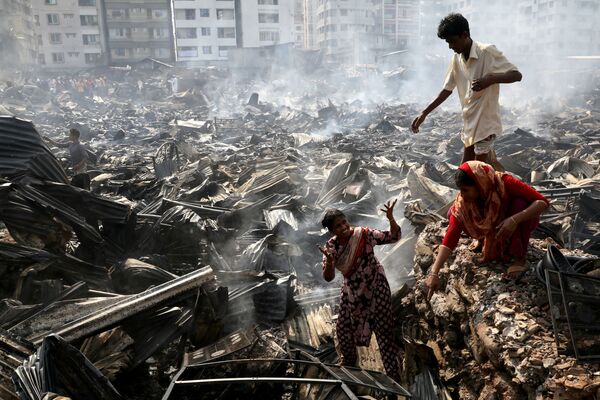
(476, 70)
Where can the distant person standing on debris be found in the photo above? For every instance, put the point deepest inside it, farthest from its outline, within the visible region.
(79, 159)
(493, 207)
(366, 304)
(476, 70)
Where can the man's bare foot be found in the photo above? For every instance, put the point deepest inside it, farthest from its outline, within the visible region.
(476, 246)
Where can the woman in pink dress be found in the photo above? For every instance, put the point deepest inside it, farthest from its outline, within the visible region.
(365, 304)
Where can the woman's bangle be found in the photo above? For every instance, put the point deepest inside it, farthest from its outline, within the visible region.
(513, 220)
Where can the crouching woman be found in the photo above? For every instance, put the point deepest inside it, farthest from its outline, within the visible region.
(365, 304)
(498, 210)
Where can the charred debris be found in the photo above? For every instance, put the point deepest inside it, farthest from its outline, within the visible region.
(189, 270)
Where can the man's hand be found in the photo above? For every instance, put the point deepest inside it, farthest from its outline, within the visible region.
(389, 209)
(417, 122)
(482, 83)
(433, 283)
(506, 228)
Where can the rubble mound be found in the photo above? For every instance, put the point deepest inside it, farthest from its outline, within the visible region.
(492, 338)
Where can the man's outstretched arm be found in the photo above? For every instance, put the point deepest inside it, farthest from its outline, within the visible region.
(444, 94)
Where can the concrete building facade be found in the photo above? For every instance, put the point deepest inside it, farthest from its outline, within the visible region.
(298, 14)
(309, 18)
(204, 29)
(68, 33)
(264, 22)
(340, 23)
(17, 35)
(137, 29)
(399, 22)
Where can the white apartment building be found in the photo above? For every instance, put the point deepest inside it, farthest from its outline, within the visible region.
(309, 17)
(68, 33)
(206, 29)
(299, 23)
(265, 22)
(339, 24)
(399, 21)
(557, 28)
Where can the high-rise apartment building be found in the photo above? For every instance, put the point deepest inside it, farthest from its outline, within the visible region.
(309, 19)
(204, 29)
(17, 36)
(68, 33)
(137, 29)
(399, 22)
(264, 22)
(340, 24)
(299, 23)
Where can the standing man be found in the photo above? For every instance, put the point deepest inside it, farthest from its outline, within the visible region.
(476, 70)
(78, 157)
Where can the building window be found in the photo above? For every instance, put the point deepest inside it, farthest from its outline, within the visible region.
(119, 14)
(159, 14)
(119, 52)
(90, 39)
(268, 36)
(204, 12)
(225, 13)
(223, 50)
(92, 58)
(68, 16)
(389, 28)
(344, 12)
(186, 33)
(187, 51)
(52, 19)
(55, 38)
(37, 19)
(185, 13)
(269, 2)
(161, 52)
(70, 35)
(205, 31)
(119, 32)
(270, 18)
(226, 33)
(50, 2)
(73, 54)
(206, 50)
(160, 33)
(87, 3)
(88, 20)
(58, 58)
(41, 59)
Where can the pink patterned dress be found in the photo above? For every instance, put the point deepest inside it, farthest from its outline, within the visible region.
(366, 305)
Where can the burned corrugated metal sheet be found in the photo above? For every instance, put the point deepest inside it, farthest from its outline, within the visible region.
(23, 153)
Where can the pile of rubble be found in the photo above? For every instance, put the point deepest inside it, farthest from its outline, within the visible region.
(494, 338)
(192, 264)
